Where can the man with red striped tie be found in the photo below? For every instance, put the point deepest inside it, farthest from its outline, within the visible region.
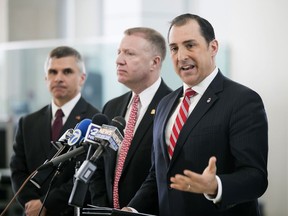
(210, 141)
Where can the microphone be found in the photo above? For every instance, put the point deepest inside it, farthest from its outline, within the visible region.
(75, 152)
(119, 123)
(62, 140)
(78, 134)
(111, 135)
(108, 135)
(79, 190)
(97, 120)
(44, 172)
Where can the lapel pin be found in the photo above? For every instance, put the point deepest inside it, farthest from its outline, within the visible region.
(152, 112)
(78, 117)
(208, 100)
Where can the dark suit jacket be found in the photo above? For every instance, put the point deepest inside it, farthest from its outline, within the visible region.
(138, 160)
(32, 147)
(228, 122)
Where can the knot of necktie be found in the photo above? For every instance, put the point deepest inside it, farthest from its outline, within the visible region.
(59, 113)
(189, 92)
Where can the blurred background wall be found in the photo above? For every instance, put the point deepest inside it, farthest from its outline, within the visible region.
(253, 48)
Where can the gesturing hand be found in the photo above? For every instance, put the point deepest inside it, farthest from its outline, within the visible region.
(205, 183)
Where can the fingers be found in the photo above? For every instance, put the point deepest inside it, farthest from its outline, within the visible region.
(184, 182)
(179, 182)
(194, 182)
(212, 165)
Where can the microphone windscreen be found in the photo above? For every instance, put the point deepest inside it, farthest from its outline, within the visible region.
(97, 121)
(120, 123)
(100, 119)
(83, 125)
(79, 132)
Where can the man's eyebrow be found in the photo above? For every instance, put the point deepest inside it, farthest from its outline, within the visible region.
(67, 68)
(184, 42)
(51, 70)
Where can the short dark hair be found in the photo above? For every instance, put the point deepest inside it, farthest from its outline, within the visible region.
(152, 36)
(206, 29)
(66, 51)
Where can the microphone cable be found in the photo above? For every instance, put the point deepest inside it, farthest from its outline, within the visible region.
(48, 191)
(16, 194)
(58, 171)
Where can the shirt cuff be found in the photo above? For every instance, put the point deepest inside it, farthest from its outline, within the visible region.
(218, 197)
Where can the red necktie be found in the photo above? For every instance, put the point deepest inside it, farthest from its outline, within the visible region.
(180, 120)
(129, 131)
(57, 125)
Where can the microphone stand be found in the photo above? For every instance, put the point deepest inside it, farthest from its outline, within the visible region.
(78, 187)
(77, 210)
(82, 178)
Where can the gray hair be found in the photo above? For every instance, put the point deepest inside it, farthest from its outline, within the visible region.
(65, 51)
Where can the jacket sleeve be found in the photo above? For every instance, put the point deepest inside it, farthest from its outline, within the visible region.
(19, 169)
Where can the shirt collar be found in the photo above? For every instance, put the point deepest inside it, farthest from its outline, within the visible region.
(66, 108)
(147, 95)
(201, 87)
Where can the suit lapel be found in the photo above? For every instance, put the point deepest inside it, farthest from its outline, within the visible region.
(205, 103)
(75, 116)
(170, 106)
(122, 111)
(45, 129)
(140, 132)
(123, 107)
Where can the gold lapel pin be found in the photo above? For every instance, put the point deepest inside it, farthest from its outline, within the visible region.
(78, 117)
(152, 112)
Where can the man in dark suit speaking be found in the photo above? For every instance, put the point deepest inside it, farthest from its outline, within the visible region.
(210, 136)
(65, 75)
(120, 174)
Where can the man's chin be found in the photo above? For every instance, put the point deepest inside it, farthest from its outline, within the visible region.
(59, 97)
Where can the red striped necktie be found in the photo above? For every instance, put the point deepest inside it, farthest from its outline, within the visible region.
(180, 120)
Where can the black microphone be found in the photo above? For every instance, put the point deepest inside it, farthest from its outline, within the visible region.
(119, 123)
(79, 190)
(44, 171)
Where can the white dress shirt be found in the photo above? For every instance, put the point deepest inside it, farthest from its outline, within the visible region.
(66, 108)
